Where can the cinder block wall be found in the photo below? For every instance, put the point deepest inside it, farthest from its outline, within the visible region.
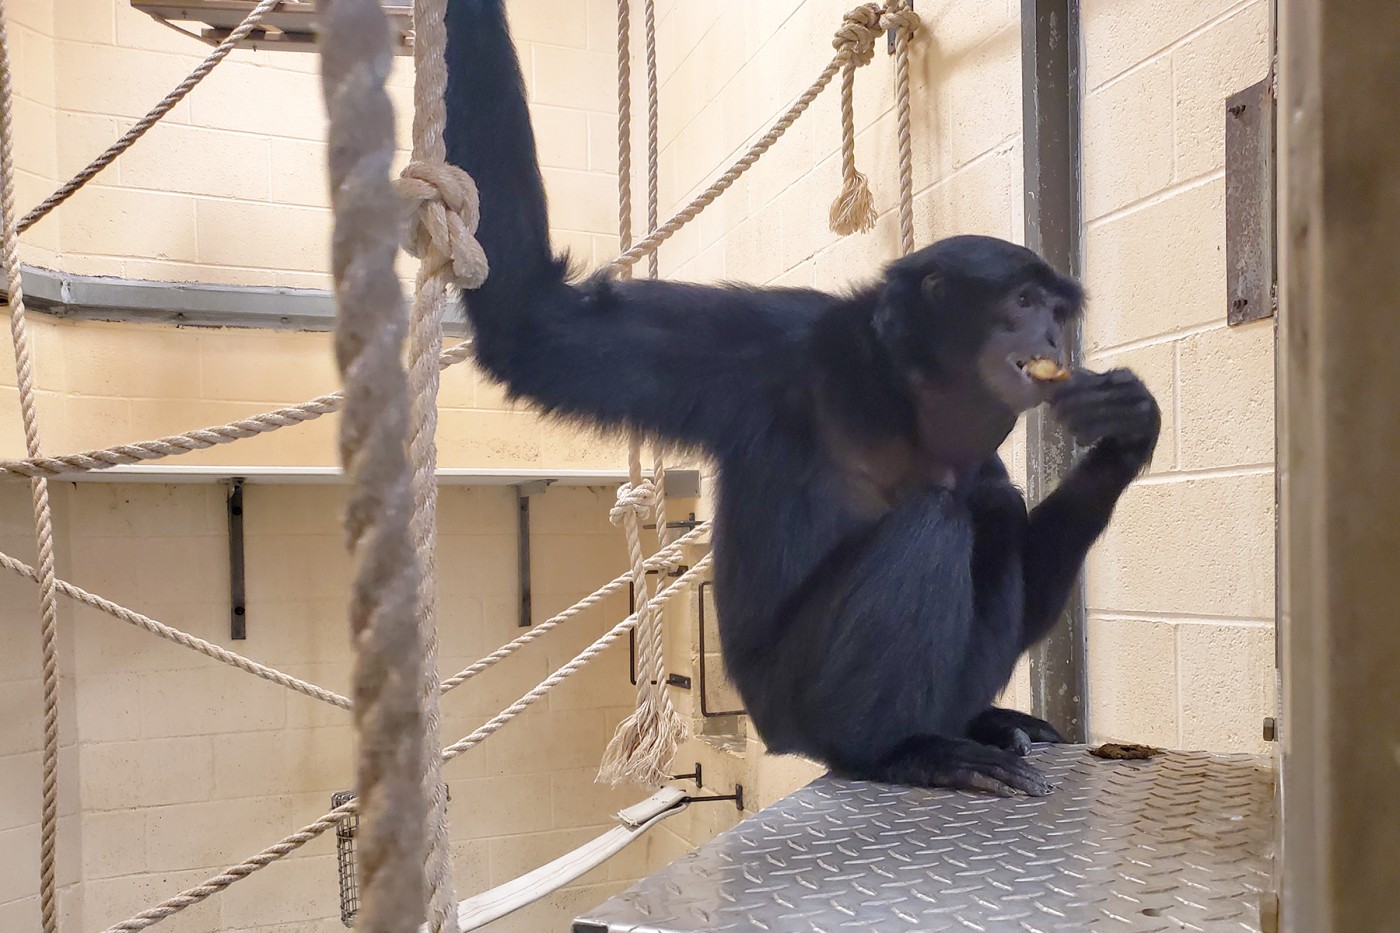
(230, 188)
(1181, 589)
(721, 88)
(172, 765)
(175, 765)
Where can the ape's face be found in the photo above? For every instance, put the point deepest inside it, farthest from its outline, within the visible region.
(1027, 323)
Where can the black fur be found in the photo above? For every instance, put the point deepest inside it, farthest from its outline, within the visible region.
(872, 641)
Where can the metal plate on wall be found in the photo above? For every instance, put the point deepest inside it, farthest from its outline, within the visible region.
(1175, 843)
(1249, 203)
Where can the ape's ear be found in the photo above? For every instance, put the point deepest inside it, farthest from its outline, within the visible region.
(932, 288)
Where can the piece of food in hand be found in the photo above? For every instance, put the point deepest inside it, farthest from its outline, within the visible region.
(1045, 370)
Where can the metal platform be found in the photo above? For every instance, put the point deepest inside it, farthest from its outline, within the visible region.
(1179, 842)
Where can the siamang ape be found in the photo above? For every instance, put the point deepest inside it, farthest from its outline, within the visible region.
(877, 573)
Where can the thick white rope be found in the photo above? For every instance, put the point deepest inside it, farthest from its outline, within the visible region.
(184, 639)
(291, 843)
(904, 21)
(442, 237)
(494, 725)
(653, 133)
(369, 339)
(646, 740)
(39, 489)
(644, 247)
(664, 559)
(853, 211)
(140, 127)
(202, 439)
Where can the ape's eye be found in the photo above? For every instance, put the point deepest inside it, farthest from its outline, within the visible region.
(1024, 299)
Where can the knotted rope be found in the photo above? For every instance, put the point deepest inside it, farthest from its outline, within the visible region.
(645, 742)
(441, 235)
(140, 127)
(853, 211)
(442, 227)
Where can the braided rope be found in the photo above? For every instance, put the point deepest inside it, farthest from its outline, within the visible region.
(369, 337)
(653, 146)
(201, 439)
(39, 491)
(493, 725)
(140, 127)
(630, 256)
(645, 741)
(853, 211)
(904, 21)
(664, 559)
(296, 840)
(183, 639)
(442, 237)
(624, 131)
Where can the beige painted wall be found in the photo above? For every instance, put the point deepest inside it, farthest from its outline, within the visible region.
(1181, 652)
(230, 188)
(172, 765)
(1181, 589)
(176, 765)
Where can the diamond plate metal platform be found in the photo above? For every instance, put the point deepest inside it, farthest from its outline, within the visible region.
(1178, 842)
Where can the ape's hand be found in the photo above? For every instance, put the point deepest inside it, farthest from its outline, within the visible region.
(1112, 408)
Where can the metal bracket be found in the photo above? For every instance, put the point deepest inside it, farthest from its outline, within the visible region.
(689, 523)
(238, 605)
(523, 492)
(1250, 151)
(889, 34)
(737, 797)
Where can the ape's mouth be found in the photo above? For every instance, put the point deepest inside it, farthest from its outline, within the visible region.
(1042, 369)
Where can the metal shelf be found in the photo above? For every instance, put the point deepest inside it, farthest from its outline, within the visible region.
(681, 484)
(1175, 843)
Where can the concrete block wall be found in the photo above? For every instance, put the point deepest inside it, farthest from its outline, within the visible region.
(727, 71)
(175, 765)
(1181, 589)
(230, 188)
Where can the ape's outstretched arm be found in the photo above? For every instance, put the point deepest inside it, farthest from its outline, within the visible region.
(696, 364)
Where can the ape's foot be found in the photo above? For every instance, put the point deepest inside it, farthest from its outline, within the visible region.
(1011, 730)
(961, 764)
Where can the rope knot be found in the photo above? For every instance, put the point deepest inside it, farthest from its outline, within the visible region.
(639, 499)
(442, 230)
(857, 34)
(898, 16)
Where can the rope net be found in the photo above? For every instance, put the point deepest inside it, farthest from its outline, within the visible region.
(388, 447)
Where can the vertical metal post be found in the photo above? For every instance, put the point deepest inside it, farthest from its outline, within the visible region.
(238, 606)
(1339, 434)
(1050, 83)
(523, 492)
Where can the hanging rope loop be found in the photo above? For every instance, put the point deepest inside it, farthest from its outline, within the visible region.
(442, 228)
(853, 210)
